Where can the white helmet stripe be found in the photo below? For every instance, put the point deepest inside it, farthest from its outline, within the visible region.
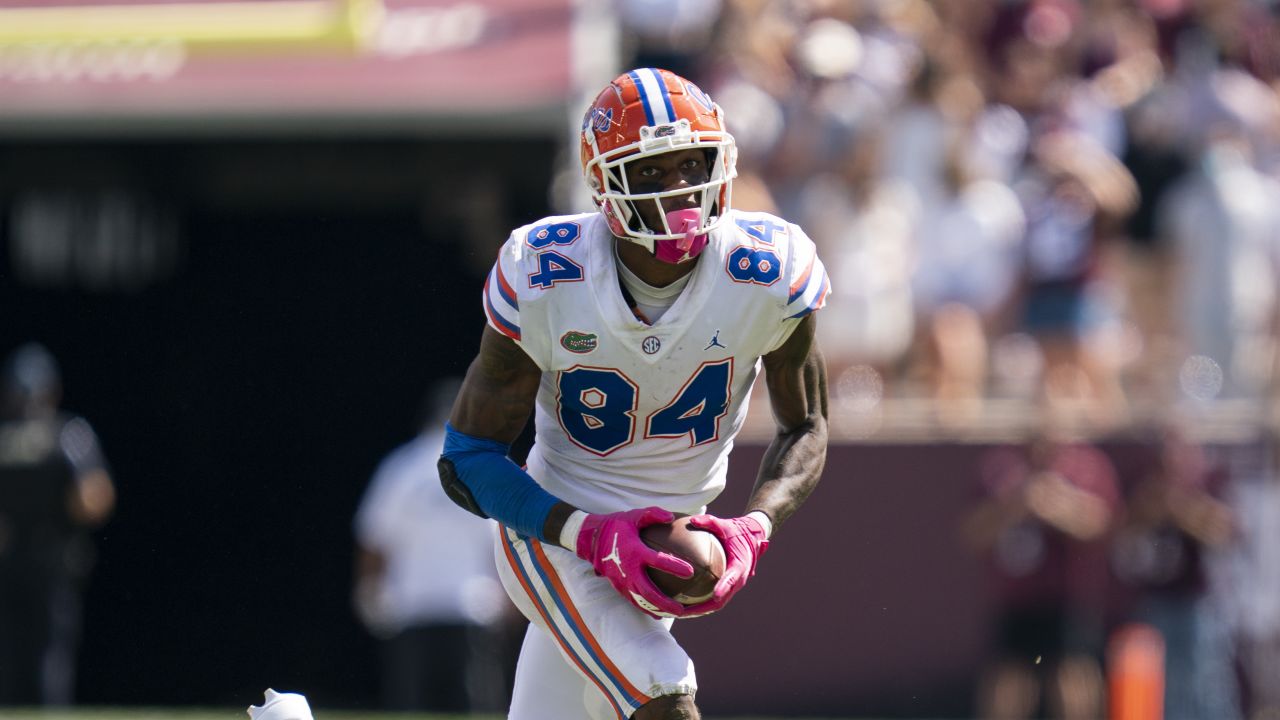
(654, 96)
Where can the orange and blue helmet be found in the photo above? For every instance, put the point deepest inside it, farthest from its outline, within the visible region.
(645, 112)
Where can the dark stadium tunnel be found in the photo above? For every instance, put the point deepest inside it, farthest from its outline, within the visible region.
(243, 399)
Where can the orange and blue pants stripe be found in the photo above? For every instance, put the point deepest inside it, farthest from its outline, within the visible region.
(541, 582)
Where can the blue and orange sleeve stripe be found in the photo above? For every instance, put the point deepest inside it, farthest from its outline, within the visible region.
(810, 290)
(501, 305)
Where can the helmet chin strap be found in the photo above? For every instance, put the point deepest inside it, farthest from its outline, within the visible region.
(686, 248)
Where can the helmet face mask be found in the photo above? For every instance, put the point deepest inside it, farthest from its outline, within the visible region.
(644, 113)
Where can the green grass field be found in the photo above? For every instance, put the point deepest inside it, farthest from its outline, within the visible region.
(208, 714)
(231, 714)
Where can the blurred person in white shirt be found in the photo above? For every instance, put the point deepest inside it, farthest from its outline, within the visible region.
(426, 585)
(968, 245)
(1223, 219)
(967, 233)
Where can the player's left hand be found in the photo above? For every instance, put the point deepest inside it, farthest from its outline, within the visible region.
(744, 541)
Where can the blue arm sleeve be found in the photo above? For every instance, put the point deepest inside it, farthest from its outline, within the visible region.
(504, 491)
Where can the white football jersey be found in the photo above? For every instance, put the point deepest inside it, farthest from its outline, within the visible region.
(630, 414)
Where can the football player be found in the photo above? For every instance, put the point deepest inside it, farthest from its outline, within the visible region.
(634, 334)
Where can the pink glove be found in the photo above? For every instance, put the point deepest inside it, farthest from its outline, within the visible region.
(612, 544)
(744, 542)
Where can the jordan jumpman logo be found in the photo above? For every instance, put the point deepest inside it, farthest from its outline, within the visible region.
(715, 341)
(615, 557)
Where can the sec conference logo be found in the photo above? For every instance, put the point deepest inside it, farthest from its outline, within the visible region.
(651, 345)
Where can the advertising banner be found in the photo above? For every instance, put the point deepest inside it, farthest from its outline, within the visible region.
(210, 60)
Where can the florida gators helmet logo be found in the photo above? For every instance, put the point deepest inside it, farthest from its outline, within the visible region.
(599, 119)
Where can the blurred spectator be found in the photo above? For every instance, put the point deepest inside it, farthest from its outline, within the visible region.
(1223, 220)
(965, 277)
(426, 585)
(823, 103)
(54, 486)
(1250, 579)
(1042, 525)
(863, 227)
(1158, 160)
(1174, 519)
(1073, 190)
(669, 34)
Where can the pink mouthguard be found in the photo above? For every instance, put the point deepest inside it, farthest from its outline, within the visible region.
(688, 247)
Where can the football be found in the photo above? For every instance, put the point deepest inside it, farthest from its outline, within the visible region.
(699, 548)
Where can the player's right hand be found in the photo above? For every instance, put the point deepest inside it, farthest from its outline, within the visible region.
(612, 544)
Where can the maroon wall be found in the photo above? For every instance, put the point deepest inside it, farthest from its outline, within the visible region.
(867, 601)
(866, 598)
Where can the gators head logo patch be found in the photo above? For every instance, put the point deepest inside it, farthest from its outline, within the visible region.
(578, 342)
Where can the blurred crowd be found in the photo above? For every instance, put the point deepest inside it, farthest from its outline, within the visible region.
(1062, 200)
(1069, 207)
